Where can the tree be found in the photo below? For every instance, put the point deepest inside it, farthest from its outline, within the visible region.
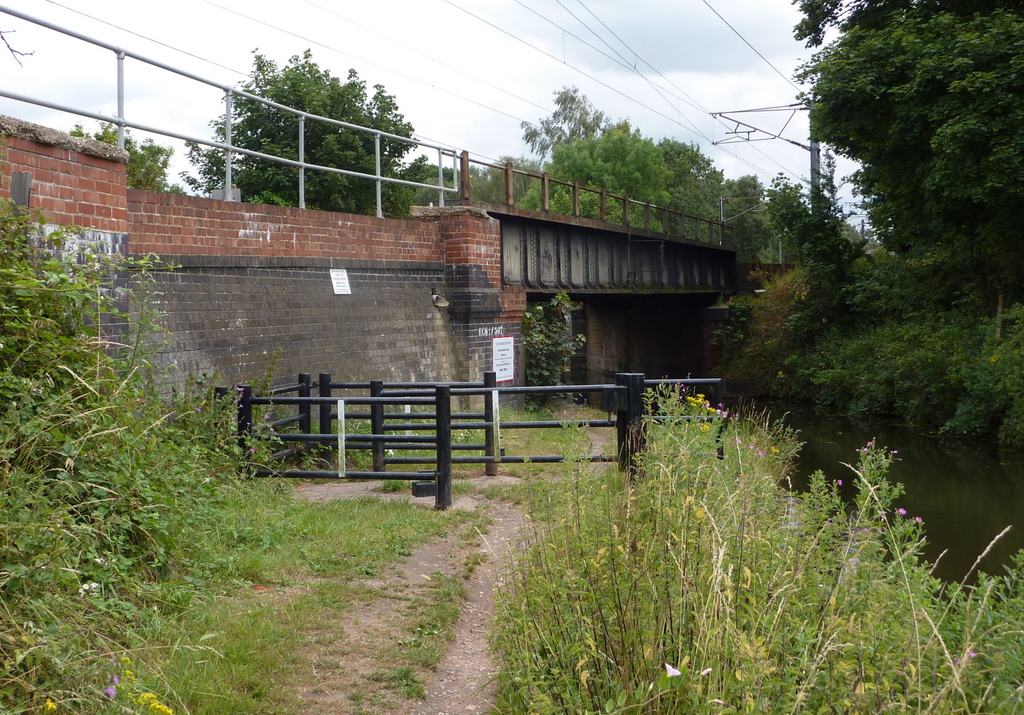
(926, 96)
(819, 242)
(744, 207)
(694, 182)
(574, 118)
(304, 86)
(147, 160)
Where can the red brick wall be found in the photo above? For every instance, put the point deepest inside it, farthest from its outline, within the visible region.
(176, 224)
(71, 188)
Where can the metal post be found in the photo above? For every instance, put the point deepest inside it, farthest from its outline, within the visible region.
(120, 99)
(440, 178)
(629, 421)
(342, 466)
(576, 199)
(305, 411)
(510, 198)
(443, 475)
(464, 172)
(302, 160)
(545, 192)
(377, 425)
(376, 154)
(244, 413)
(324, 385)
(228, 194)
(491, 448)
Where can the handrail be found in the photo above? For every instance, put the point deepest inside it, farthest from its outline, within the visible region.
(704, 230)
(122, 122)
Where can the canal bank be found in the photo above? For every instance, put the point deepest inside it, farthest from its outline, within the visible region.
(965, 491)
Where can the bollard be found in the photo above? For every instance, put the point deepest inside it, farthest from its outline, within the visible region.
(377, 425)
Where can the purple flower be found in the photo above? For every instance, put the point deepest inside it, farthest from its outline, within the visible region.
(115, 679)
(839, 482)
(760, 453)
(110, 691)
(918, 519)
(901, 512)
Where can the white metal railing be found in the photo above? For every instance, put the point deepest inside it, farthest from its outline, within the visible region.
(226, 146)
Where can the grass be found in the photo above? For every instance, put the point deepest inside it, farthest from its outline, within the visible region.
(701, 586)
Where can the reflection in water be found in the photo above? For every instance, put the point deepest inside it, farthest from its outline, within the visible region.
(966, 491)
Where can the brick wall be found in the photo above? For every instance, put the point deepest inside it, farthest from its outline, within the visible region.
(252, 292)
(75, 181)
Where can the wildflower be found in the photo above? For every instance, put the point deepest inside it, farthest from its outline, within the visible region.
(86, 588)
(839, 482)
(760, 453)
(50, 705)
(918, 519)
(901, 512)
(706, 671)
(252, 450)
(672, 672)
(110, 691)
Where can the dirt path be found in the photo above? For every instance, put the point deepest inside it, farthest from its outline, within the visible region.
(464, 681)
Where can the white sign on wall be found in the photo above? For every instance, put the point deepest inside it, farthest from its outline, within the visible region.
(339, 279)
(503, 352)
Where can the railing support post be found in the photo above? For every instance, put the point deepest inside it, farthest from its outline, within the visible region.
(491, 448)
(443, 475)
(377, 425)
(244, 413)
(305, 411)
(629, 423)
(545, 192)
(510, 193)
(324, 387)
(464, 188)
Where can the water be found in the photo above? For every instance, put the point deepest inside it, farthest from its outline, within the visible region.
(966, 491)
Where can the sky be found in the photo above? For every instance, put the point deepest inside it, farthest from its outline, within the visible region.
(465, 73)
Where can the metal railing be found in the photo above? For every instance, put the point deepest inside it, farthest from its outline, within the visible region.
(611, 208)
(122, 122)
(627, 212)
(431, 430)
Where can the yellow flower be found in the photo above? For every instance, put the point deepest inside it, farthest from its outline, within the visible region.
(50, 705)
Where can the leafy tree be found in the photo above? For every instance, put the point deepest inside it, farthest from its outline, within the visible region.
(304, 86)
(694, 182)
(147, 160)
(574, 118)
(744, 207)
(823, 251)
(620, 160)
(488, 185)
(926, 97)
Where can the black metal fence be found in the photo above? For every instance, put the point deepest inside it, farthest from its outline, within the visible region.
(411, 417)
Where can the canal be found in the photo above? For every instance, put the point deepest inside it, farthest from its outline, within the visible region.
(966, 491)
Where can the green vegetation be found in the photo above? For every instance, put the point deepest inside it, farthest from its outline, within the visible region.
(923, 322)
(302, 85)
(701, 586)
(141, 571)
(548, 340)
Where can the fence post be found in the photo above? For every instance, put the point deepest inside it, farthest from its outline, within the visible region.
(443, 475)
(324, 386)
(510, 192)
(491, 417)
(244, 413)
(464, 189)
(545, 192)
(629, 424)
(377, 425)
(305, 411)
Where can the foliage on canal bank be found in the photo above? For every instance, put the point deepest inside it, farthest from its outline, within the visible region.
(855, 329)
(140, 571)
(702, 586)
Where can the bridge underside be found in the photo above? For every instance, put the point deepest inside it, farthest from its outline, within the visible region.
(658, 335)
(578, 256)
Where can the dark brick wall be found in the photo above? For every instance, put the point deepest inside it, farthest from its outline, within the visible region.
(240, 321)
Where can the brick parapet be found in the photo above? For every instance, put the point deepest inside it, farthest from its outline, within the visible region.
(69, 187)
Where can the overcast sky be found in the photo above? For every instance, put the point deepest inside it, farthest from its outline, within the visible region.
(465, 73)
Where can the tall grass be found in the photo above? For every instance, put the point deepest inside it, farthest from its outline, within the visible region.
(702, 586)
